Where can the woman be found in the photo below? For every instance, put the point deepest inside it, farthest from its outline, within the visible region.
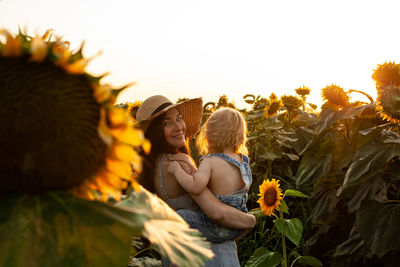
(168, 126)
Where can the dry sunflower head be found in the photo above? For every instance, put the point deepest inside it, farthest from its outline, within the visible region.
(388, 102)
(273, 108)
(303, 91)
(335, 95)
(291, 102)
(387, 73)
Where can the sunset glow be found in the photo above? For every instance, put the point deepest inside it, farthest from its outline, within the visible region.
(209, 48)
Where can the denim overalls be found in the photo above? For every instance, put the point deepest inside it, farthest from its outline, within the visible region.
(200, 221)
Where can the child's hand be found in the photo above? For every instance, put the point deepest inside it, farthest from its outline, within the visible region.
(173, 167)
(185, 161)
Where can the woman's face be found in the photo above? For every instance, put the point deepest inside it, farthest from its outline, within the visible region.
(174, 128)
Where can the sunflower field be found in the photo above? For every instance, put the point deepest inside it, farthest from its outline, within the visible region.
(326, 182)
(344, 163)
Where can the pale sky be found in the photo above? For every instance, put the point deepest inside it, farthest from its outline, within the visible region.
(208, 48)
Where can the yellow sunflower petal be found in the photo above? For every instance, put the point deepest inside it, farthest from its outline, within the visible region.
(38, 49)
(78, 67)
(137, 162)
(103, 129)
(123, 152)
(62, 53)
(12, 47)
(117, 117)
(128, 135)
(102, 93)
(122, 169)
(111, 179)
(146, 146)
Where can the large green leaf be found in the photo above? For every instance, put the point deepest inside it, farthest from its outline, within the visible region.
(355, 245)
(309, 261)
(346, 113)
(58, 229)
(368, 161)
(262, 257)
(375, 189)
(292, 228)
(315, 163)
(325, 202)
(168, 231)
(378, 225)
(293, 193)
(269, 154)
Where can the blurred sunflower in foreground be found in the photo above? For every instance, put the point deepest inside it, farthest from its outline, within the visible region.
(387, 77)
(60, 134)
(270, 196)
(59, 127)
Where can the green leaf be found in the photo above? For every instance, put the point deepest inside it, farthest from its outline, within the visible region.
(378, 225)
(309, 260)
(292, 228)
(263, 257)
(272, 154)
(293, 193)
(257, 212)
(144, 262)
(168, 231)
(368, 161)
(315, 163)
(326, 201)
(283, 207)
(291, 156)
(345, 113)
(355, 245)
(58, 229)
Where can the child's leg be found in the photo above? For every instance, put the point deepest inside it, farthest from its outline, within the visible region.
(210, 230)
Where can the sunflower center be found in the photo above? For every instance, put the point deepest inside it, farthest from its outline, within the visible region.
(270, 196)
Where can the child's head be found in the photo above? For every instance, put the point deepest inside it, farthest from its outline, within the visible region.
(225, 128)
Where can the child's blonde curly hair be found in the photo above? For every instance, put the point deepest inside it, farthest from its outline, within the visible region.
(226, 127)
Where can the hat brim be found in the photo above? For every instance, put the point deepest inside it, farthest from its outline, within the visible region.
(191, 111)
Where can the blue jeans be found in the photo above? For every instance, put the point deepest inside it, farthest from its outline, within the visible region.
(212, 231)
(225, 255)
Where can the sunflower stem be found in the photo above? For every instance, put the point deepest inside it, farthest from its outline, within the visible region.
(269, 162)
(284, 260)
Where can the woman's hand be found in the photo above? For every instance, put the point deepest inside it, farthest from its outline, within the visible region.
(223, 214)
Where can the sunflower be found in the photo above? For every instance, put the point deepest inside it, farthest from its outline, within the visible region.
(291, 102)
(273, 97)
(388, 102)
(133, 108)
(303, 91)
(61, 127)
(387, 73)
(272, 109)
(335, 95)
(270, 196)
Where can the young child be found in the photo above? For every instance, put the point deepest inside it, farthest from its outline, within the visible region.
(225, 170)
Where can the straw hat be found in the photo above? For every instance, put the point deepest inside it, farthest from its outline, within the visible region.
(191, 111)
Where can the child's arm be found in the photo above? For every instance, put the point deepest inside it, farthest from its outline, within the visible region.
(193, 184)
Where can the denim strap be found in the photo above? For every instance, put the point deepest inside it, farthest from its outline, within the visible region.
(161, 178)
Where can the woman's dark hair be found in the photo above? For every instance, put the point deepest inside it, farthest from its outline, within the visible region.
(159, 145)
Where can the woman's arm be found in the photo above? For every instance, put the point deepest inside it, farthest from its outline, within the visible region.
(223, 214)
(217, 211)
